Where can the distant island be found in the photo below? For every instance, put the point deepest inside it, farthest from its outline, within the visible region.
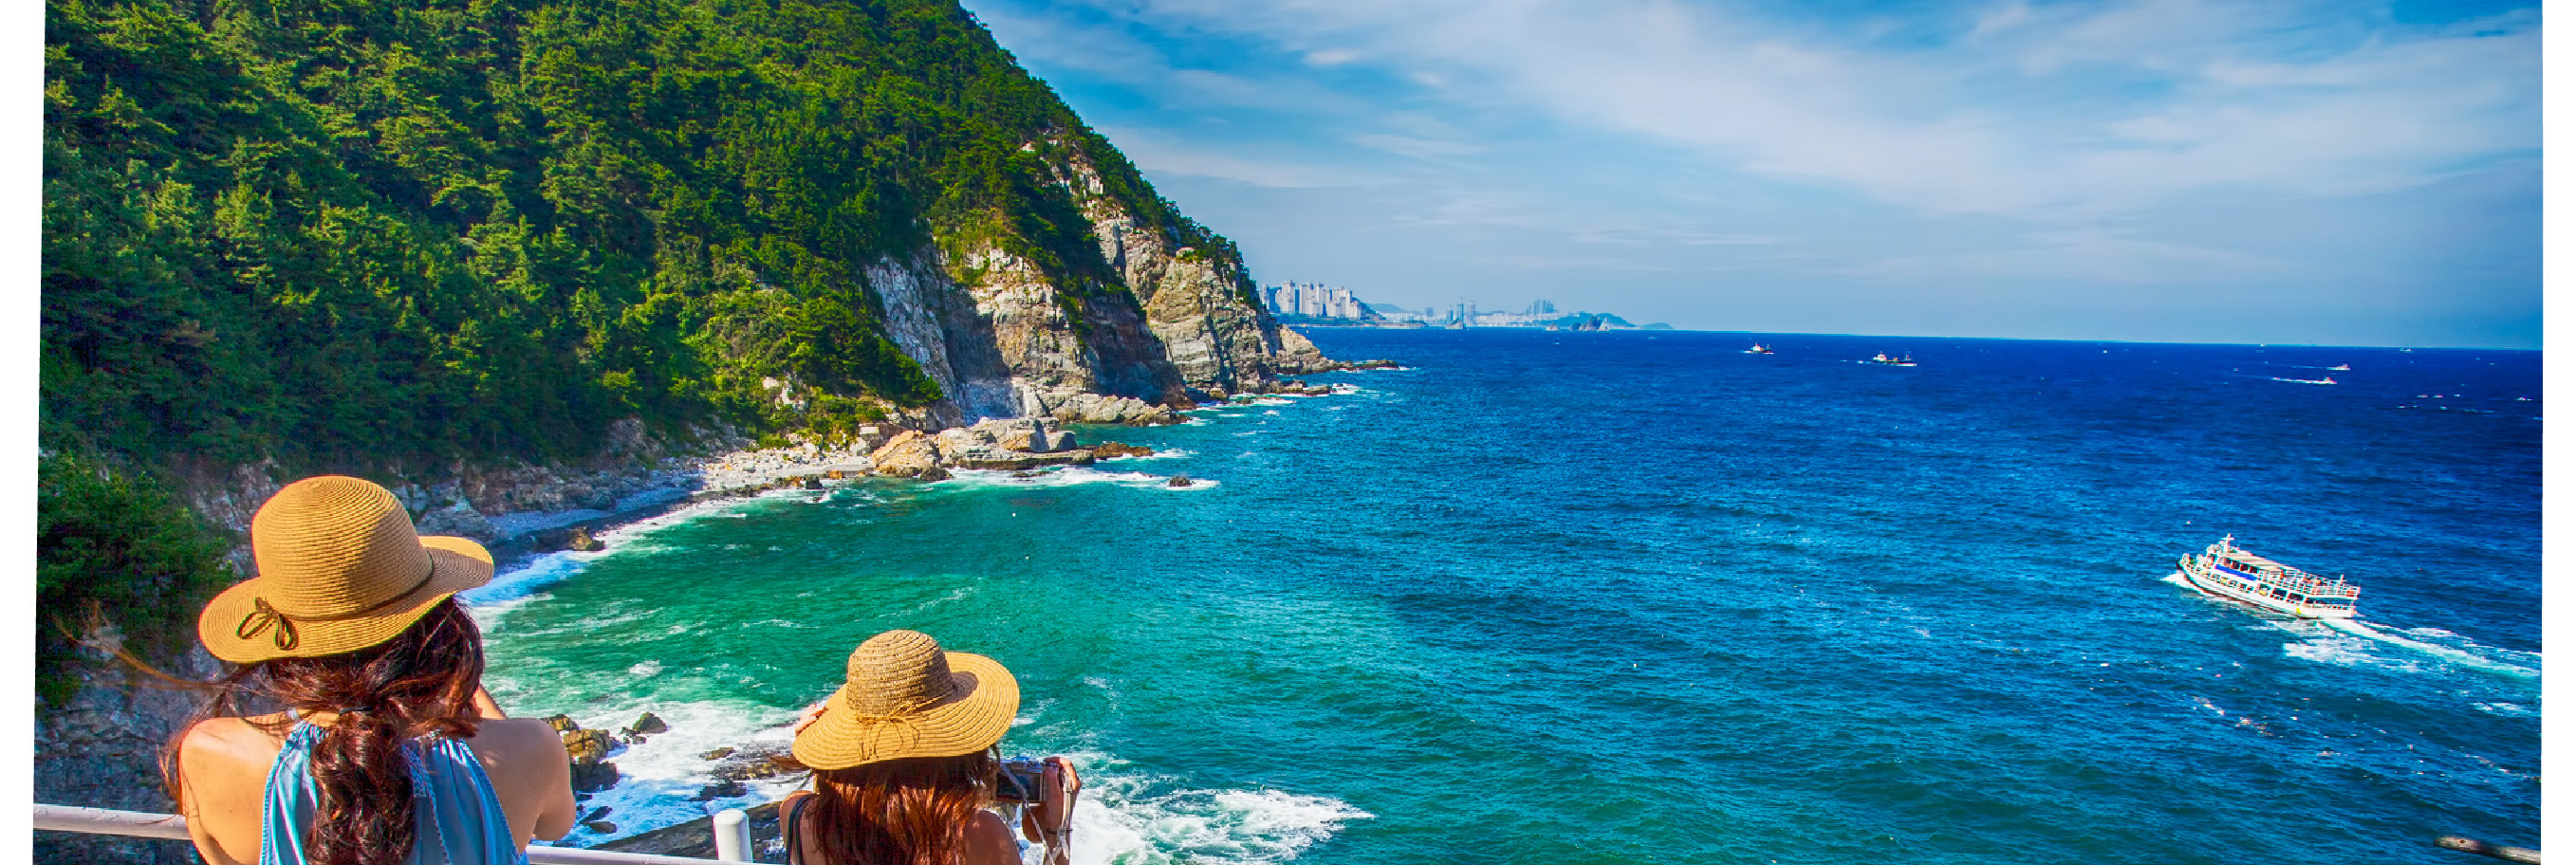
(1318, 305)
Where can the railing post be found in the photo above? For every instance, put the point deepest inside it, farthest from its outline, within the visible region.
(733, 835)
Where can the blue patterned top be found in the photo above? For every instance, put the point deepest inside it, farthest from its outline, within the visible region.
(458, 819)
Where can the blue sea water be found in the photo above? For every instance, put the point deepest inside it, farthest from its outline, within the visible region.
(1642, 597)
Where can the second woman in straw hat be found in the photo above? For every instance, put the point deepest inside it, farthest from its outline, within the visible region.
(904, 764)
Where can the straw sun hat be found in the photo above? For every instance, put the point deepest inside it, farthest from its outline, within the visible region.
(906, 698)
(340, 569)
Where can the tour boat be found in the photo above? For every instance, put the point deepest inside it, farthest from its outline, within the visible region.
(2237, 575)
(1883, 360)
(1757, 349)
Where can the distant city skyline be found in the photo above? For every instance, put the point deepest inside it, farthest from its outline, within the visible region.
(2147, 170)
(1318, 301)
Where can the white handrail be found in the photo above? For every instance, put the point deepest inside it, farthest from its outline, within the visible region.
(139, 824)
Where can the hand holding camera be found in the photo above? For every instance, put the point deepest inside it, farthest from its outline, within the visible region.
(1049, 788)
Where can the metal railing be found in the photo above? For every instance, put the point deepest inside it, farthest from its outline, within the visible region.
(732, 831)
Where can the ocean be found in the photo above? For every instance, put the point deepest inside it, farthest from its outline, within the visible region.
(1644, 597)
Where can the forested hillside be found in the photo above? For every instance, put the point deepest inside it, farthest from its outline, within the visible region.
(446, 244)
(339, 233)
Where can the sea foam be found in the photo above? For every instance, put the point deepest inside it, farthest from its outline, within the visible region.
(1072, 476)
(1142, 819)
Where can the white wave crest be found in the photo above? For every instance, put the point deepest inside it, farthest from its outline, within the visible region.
(1071, 476)
(1140, 820)
(511, 590)
(1164, 454)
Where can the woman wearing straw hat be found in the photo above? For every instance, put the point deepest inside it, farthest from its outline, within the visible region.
(904, 764)
(388, 750)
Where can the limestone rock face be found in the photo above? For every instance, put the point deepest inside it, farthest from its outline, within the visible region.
(1004, 337)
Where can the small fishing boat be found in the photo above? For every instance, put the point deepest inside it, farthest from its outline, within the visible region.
(1757, 349)
(1883, 360)
(2228, 572)
(2341, 367)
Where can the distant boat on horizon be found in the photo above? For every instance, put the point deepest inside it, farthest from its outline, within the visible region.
(1882, 359)
(1757, 349)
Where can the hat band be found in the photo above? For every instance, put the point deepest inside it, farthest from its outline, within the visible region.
(263, 617)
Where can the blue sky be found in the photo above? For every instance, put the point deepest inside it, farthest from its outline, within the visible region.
(2159, 170)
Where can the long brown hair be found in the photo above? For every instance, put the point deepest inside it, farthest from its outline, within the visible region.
(912, 811)
(418, 683)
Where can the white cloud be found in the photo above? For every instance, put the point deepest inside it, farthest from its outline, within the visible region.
(2075, 111)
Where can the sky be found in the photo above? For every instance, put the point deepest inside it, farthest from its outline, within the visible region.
(2143, 170)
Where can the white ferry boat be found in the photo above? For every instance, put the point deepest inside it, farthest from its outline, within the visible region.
(1883, 359)
(2237, 575)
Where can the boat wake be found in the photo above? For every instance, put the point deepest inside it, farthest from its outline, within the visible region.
(2327, 647)
(2326, 380)
(2467, 653)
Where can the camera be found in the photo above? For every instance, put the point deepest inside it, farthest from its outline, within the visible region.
(1020, 780)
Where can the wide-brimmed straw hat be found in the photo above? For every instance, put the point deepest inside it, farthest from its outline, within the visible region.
(340, 569)
(906, 698)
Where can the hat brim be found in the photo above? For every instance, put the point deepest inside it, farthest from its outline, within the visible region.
(964, 725)
(461, 564)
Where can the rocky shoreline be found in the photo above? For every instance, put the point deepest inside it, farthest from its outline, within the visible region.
(659, 486)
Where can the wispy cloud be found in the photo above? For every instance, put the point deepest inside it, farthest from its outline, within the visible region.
(2074, 110)
(2093, 144)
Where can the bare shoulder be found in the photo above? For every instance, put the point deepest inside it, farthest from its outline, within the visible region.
(247, 740)
(989, 842)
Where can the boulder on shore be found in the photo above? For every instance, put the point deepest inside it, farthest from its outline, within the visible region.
(996, 458)
(649, 723)
(908, 454)
(1113, 450)
(589, 749)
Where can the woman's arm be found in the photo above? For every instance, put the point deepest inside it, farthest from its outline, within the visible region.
(484, 706)
(556, 817)
(1050, 822)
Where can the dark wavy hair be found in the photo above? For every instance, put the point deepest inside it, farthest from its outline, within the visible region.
(912, 811)
(418, 683)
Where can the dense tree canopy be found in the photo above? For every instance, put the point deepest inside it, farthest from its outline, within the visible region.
(343, 232)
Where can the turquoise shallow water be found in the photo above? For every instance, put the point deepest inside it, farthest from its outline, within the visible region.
(1643, 597)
